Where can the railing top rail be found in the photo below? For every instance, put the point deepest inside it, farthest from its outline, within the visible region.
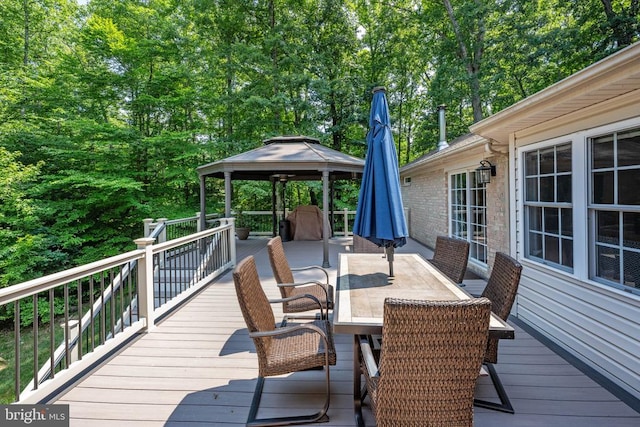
(181, 220)
(189, 218)
(160, 247)
(32, 287)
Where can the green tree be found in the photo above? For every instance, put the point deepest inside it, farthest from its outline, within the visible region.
(24, 252)
(106, 109)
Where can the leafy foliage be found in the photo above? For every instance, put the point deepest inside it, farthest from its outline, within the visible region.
(107, 108)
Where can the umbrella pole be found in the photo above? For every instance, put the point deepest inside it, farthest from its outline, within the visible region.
(389, 252)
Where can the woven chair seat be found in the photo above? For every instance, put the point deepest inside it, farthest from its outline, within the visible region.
(300, 305)
(298, 351)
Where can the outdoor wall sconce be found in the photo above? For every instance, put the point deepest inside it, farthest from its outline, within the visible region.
(485, 172)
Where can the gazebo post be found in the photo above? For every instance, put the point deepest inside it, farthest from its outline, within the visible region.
(203, 203)
(331, 205)
(274, 217)
(227, 194)
(325, 219)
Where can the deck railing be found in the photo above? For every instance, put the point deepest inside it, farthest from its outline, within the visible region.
(101, 305)
(261, 222)
(174, 228)
(106, 303)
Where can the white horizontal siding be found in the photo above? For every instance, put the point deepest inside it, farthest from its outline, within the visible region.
(602, 330)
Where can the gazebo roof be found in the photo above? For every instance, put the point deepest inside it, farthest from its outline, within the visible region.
(297, 157)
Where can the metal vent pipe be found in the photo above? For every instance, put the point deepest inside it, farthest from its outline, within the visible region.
(442, 144)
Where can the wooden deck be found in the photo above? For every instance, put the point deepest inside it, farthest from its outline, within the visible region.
(198, 368)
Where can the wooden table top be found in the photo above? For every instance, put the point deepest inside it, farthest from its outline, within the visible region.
(364, 283)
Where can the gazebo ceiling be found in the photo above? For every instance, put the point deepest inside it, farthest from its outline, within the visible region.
(296, 157)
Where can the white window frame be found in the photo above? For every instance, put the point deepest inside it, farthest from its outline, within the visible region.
(584, 249)
(563, 240)
(593, 208)
(470, 224)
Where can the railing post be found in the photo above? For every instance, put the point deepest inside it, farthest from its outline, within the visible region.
(163, 235)
(199, 224)
(147, 226)
(346, 222)
(407, 213)
(145, 282)
(232, 240)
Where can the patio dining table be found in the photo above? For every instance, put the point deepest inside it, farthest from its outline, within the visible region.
(362, 286)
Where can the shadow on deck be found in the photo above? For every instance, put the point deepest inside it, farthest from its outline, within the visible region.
(198, 367)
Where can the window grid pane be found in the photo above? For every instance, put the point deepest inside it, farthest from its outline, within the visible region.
(615, 234)
(469, 213)
(548, 211)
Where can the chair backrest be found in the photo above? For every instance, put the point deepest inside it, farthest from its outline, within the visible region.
(362, 245)
(451, 257)
(501, 290)
(279, 264)
(431, 355)
(254, 304)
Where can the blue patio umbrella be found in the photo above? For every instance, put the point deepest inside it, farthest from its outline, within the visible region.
(380, 214)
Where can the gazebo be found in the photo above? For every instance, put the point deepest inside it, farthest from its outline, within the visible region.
(282, 159)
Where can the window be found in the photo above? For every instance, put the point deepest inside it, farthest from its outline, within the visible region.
(614, 209)
(548, 209)
(469, 213)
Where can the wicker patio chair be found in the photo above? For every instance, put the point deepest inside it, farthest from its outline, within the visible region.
(281, 350)
(362, 245)
(429, 362)
(501, 290)
(283, 274)
(451, 257)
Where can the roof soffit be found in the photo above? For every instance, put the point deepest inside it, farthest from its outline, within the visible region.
(469, 145)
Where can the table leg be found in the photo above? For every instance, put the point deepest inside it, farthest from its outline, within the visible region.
(357, 396)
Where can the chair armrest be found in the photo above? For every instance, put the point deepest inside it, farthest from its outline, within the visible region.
(295, 297)
(293, 285)
(367, 358)
(324, 286)
(323, 315)
(289, 330)
(310, 267)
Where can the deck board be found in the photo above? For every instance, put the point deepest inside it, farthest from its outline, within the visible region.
(198, 367)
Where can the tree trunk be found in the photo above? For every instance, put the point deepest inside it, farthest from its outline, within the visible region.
(624, 23)
(472, 61)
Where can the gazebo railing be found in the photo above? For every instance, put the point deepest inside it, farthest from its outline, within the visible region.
(261, 222)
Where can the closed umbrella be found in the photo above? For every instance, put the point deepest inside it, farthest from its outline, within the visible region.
(380, 214)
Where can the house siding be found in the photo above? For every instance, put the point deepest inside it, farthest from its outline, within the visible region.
(600, 329)
(598, 324)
